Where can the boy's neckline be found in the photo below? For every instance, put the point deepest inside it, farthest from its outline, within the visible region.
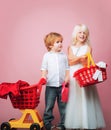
(55, 51)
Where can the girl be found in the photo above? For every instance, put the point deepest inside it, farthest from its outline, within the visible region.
(83, 110)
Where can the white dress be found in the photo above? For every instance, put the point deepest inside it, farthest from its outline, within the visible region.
(83, 109)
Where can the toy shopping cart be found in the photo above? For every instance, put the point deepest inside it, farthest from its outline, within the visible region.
(27, 101)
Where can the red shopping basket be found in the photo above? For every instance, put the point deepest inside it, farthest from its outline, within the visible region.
(28, 99)
(84, 76)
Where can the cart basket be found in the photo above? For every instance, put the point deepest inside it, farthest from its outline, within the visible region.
(28, 98)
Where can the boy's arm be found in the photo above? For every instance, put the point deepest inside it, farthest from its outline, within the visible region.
(43, 73)
(43, 79)
(66, 80)
(44, 67)
(67, 76)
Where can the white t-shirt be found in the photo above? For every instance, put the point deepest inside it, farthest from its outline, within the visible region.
(56, 64)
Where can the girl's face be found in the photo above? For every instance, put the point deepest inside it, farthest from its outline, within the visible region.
(57, 47)
(81, 36)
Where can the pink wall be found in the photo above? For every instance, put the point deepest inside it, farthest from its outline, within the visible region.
(23, 25)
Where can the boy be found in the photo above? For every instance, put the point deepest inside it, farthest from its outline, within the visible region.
(55, 70)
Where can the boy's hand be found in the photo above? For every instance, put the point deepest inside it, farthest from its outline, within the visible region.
(42, 81)
(66, 84)
(65, 92)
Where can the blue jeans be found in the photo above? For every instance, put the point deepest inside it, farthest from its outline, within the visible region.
(51, 95)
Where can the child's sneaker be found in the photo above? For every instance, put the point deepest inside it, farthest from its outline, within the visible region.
(60, 127)
(52, 127)
(49, 127)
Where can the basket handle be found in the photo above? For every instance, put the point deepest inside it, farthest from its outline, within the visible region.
(29, 87)
(90, 60)
(39, 88)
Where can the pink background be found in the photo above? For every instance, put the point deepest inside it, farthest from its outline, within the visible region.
(23, 25)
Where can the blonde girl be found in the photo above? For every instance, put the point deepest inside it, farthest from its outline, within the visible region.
(83, 110)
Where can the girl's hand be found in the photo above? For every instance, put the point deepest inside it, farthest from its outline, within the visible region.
(83, 60)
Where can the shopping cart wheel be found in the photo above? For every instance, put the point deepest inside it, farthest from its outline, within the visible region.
(35, 126)
(42, 128)
(5, 126)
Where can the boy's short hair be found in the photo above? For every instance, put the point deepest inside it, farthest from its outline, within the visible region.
(51, 38)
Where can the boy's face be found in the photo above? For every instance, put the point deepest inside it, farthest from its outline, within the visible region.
(57, 47)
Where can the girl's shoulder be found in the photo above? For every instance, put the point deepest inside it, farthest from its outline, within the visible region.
(89, 49)
(84, 47)
(73, 47)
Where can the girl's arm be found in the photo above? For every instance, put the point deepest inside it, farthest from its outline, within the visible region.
(72, 59)
(89, 50)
